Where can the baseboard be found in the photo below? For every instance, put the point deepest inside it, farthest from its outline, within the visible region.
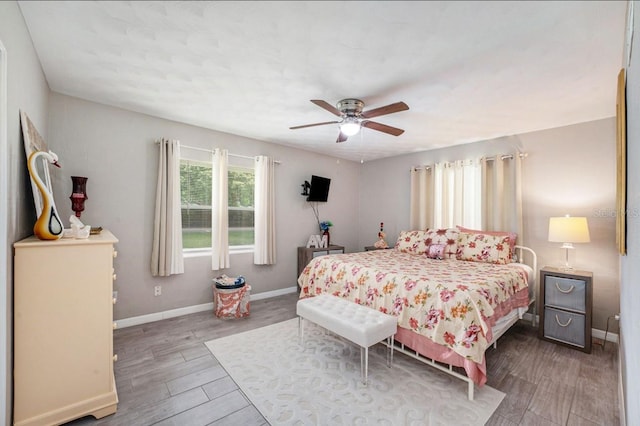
(172, 313)
(621, 386)
(598, 334)
(528, 317)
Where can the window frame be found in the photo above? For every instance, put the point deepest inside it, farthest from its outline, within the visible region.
(234, 164)
(194, 251)
(246, 248)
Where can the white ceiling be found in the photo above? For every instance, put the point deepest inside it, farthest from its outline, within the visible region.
(469, 71)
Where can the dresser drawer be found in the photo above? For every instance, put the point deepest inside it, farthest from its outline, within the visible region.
(565, 293)
(564, 326)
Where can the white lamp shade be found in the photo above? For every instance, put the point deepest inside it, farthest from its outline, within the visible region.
(568, 230)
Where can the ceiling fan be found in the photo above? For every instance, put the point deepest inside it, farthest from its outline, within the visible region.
(352, 117)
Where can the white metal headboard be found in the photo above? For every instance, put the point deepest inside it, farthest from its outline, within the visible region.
(534, 259)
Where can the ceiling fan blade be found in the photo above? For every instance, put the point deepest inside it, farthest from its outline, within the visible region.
(314, 124)
(342, 137)
(389, 109)
(326, 105)
(382, 127)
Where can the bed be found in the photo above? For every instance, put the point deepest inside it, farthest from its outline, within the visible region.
(454, 292)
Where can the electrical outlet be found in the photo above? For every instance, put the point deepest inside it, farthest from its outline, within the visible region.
(157, 290)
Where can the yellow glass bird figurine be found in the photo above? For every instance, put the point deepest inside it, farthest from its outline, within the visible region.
(48, 226)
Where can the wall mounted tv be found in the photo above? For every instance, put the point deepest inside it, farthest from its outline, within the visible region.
(319, 190)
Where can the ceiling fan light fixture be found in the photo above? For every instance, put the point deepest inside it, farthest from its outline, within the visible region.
(350, 126)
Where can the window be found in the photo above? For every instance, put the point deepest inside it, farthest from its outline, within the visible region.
(241, 209)
(195, 187)
(195, 194)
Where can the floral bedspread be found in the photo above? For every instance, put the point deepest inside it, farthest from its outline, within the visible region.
(447, 301)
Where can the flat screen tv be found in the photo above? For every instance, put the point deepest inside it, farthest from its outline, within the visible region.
(319, 190)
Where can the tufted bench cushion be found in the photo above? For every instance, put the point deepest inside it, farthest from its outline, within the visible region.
(361, 325)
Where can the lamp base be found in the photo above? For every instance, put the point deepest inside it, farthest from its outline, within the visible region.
(567, 266)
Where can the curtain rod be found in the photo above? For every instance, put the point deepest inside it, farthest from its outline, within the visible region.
(210, 150)
(502, 157)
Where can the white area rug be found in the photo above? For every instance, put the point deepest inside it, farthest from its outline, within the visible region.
(320, 384)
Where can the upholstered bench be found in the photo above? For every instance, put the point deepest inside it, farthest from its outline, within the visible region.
(361, 325)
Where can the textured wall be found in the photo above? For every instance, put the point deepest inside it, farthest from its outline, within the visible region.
(568, 170)
(115, 149)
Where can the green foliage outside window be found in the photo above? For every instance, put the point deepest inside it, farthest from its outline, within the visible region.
(195, 187)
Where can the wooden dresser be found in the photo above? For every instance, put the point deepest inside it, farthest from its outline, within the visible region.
(63, 329)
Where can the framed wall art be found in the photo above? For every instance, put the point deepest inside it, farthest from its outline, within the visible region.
(621, 167)
(34, 142)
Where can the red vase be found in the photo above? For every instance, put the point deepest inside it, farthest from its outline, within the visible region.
(326, 232)
(78, 194)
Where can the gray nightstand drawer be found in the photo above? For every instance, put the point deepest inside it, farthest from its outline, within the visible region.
(565, 293)
(564, 326)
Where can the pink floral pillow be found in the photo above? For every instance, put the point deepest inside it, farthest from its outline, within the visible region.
(447, 237)
(412, 242)
(478, 247)
(436, 251)
(512, 236)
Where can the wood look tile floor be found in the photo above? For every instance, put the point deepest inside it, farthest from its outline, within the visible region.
(166, 376)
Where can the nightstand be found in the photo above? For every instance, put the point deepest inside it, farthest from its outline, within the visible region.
(565, 310)
(369, 248)
(306, 254)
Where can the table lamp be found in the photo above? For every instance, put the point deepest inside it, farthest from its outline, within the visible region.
(568, 230)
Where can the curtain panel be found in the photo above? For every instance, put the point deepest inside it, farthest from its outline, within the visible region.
(265, 216)
(457, 194)
(446, 195)
(219, 209)
(480, 194)
(166, 252)
(422, 186)
(502, 198)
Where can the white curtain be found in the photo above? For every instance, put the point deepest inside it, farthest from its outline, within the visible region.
(457, 194)
(502, 201)
(219, 209)
(265, 217)
(166, 253)
(446, 195)
(484, 194)
(421, 213)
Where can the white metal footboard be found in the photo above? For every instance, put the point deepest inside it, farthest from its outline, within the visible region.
(448, 368)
